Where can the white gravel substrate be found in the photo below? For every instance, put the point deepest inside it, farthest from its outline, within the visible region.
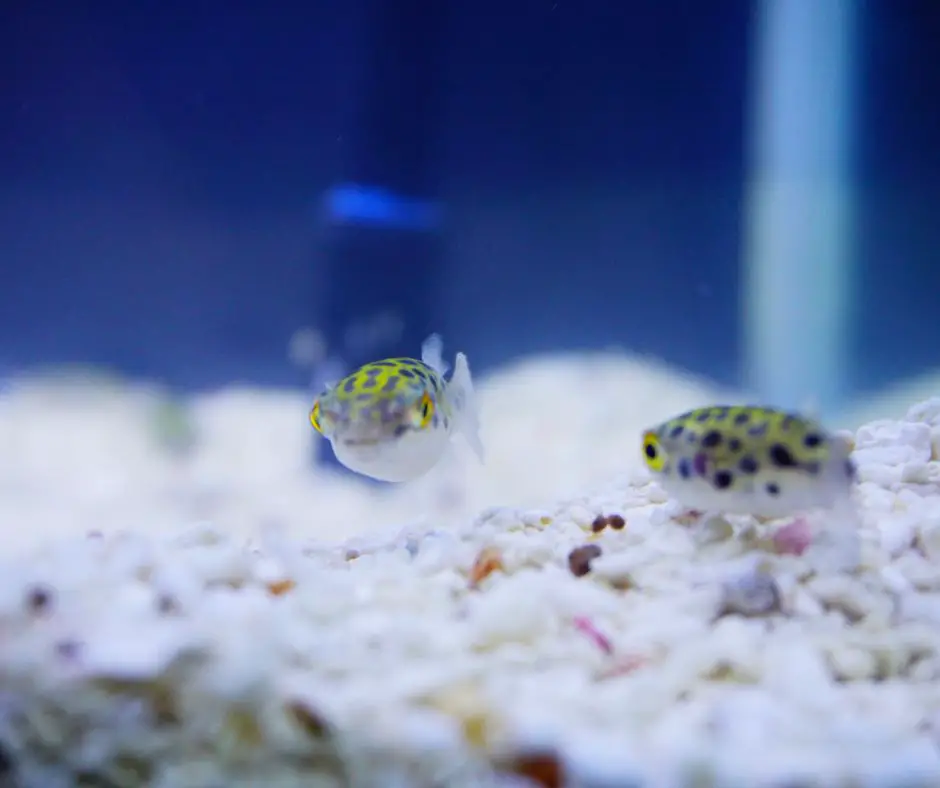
(200, 619)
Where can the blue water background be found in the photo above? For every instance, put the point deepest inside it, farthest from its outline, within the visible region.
(161, 165)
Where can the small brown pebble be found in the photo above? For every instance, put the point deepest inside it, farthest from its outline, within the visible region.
(688, 517)
(616, 522)
(307, 720)
(281, 587)
(579, 559)
(352, 554)
(626, 583)
(164, 706)
(242, 727)
(488, 561)
(599, 524)
(540, 768)
(39, 600)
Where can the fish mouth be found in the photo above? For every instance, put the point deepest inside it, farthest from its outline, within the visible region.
(360, 441)
(370, 440)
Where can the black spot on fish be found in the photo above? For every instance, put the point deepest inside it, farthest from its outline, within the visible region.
(734, 445)
(390, 383)
(421, 373)
(676, 431)
(721, 413)
(685, 469)
(812, 468)
(748, 465)
(773, 489)
(407, 373)
(742, 418)
(758, 430)
(723, 479)
(390, 363)
(370, 382)
(781, 456)
(704, 416)
(691, 437)
(812, 440)
(786, 423)
(850, 470)
(700, 463)
(712, 439)
(400, 430)
(446, 423)
(349, 386)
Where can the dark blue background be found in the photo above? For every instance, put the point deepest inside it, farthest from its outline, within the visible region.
(161, 161)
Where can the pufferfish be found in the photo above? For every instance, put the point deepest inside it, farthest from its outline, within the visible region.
(393, 419)
(758, 461)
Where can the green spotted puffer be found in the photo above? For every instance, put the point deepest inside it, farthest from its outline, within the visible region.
(393, 419)
(749, 460)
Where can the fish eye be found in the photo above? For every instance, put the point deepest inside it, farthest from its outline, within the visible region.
(315, 417)
(425, 410)
(652, 452)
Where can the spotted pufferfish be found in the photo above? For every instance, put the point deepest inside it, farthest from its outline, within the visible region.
(747, 459)
(393, 419)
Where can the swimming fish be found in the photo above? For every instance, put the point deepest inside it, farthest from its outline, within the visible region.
(749, 460)
(755, 460)
(393, 419)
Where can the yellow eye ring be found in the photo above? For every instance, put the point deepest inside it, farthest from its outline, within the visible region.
(425, 410)
(652, 452)
(315, 417)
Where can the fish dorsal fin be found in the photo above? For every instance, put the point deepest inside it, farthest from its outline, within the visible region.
(326, 375)
(432, 354)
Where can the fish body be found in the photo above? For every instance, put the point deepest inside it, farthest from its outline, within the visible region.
(749, 460)
(393, 419)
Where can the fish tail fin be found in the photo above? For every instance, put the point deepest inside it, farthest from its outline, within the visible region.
(462, 395)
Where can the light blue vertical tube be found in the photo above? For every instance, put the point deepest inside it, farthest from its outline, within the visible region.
(798, 250)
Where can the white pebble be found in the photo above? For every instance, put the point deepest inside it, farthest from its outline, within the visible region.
(897, 534)
(928, 538)
(846, 595)
(920, 606)
(852, 664)
(878, 472)
(927, 412)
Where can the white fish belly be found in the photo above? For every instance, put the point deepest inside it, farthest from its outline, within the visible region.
(395, 459)
(796, 494)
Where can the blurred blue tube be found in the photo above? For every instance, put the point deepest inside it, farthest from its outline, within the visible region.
(798, 271)
(369, 205)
